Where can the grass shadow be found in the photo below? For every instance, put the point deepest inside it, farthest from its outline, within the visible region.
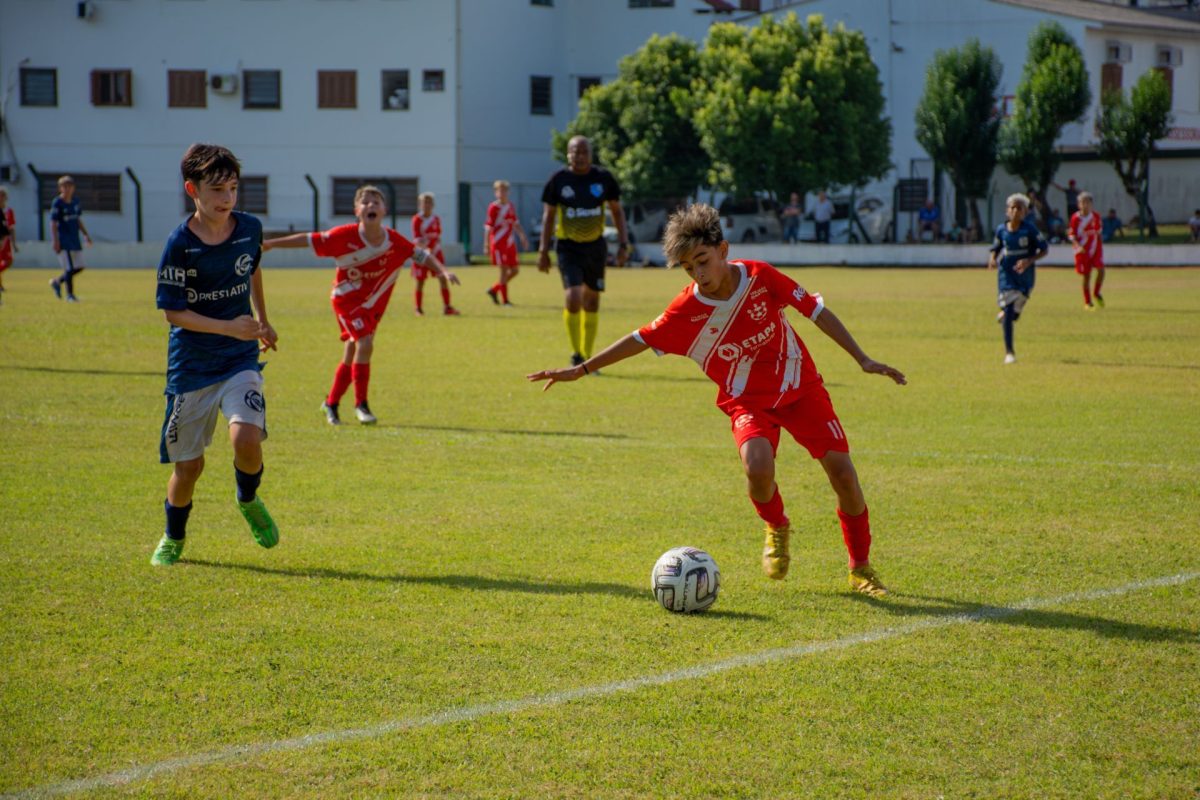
(449, 581)
(73, 371)
(1075, 362)
(913, 605)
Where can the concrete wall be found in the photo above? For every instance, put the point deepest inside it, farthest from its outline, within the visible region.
(125, 255)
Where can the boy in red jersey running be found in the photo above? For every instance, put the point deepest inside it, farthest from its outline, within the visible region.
(8, 237)
(1084, 234)
(427, 234)
(498, 231)
(368, 257)
(731, 322)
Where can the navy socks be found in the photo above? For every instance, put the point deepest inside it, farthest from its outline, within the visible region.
(247, 484)
(177, 517)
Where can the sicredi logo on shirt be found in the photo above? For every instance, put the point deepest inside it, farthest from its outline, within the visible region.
(574, 213)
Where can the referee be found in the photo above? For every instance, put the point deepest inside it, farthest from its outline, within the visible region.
(573, 211)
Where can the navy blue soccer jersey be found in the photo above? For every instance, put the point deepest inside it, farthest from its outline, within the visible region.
(1012, 246)
(67, 216)
(214, 281)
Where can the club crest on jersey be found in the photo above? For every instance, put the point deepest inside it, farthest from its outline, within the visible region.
(568, 192)
(244, 264)
(758, 312)
(729, 352)
(1023, 241)
(597, 189)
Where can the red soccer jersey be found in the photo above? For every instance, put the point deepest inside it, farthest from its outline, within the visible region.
(430, 228)
(502, 218)
(365, 274)
(744, 344)
(1085, 230)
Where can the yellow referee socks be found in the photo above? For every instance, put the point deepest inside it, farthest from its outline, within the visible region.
(591, 321)
(571, 320)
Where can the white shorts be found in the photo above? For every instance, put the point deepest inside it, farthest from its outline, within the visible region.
(75, 259)
(191, 417)
(1013, 298)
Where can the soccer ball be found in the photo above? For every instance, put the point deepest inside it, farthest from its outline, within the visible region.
(685, 579)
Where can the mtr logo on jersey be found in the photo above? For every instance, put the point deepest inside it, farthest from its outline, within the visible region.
(172, 276)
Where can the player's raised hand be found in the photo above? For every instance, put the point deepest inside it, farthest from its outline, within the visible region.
(450, 276)
(553, 376)
(879, 368)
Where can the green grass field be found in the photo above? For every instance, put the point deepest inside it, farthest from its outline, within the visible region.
(460, 606)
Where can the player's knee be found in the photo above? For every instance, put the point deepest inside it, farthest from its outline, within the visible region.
(760, 471)
(189, 471)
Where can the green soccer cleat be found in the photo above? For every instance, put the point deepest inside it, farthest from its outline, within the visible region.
(168, 552)
(265, 531)
(1099, 300)
(864, 580)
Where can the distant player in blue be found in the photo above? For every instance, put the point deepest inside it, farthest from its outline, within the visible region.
(1019, 245)
(208, 283)
(66, 224)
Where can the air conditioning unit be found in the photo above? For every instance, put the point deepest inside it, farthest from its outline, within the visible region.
(1118, 52)
(10, 173)
(224, 84)
(1169, 56)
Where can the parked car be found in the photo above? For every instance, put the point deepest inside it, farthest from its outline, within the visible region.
(874, 213)
(755, 219)
(649, 256)
(646, 221)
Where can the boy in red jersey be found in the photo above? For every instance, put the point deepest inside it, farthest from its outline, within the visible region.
(1084, 234)
(427, 234)
(731, 322)
(368, 257)
(8, 236)
(498, 231)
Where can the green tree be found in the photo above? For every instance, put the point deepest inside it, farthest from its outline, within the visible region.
(638, 123)
(956, 119)
(1052, 93)
(785, 106)
(1129, 129)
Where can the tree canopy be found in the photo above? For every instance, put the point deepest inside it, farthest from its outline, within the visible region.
(956, 118)
(1128, 130)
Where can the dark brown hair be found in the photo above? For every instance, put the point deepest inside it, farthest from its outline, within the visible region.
(209, 162)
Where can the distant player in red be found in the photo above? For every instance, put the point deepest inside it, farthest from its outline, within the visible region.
(502, 223)
(731, 322)
(1084, 234)
(8, 236)
(369, 258)
(427, 234)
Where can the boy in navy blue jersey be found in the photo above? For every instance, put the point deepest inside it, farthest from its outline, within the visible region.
(1019, 245)
(208, 282)
(66, 224)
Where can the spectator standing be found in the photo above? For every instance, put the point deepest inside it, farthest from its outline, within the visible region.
(791, 219)
(1071, 192)
(1194, 226)
(822, 213)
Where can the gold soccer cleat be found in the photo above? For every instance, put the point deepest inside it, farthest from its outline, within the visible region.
(775, 558)
(864, 580)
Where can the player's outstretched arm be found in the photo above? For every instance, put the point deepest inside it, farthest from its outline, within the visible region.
(295, 240)
(617, 351)
(832, 327)
(440, 268)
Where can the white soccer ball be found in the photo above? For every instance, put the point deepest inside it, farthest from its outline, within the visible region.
(685, 579)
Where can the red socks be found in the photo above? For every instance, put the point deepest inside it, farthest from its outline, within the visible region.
(504, 292)
(1087, 296)
(446, 295)
(362, 377)
(856, 531)
(341, 382)
(772, 510)
(418, 298)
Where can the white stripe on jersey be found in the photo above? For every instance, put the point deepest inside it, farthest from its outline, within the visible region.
(795, 358)
(384, 285)
(366, 254)
(502, 228)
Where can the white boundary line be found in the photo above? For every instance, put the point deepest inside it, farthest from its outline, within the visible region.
(468, 713)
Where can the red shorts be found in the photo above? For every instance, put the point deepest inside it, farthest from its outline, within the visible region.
(810, 420)
(504, 256)
(420, 272)
(6, 256)
(359, 322)
(1085, 263)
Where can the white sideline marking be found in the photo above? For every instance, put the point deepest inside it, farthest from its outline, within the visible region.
(467, 713)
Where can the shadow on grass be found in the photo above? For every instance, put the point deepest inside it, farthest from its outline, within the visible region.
(508, 431)
(72, 371)
(1075, 362)
(912, 605)
(462, 582)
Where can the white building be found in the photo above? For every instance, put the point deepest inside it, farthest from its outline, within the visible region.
(447, 95)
